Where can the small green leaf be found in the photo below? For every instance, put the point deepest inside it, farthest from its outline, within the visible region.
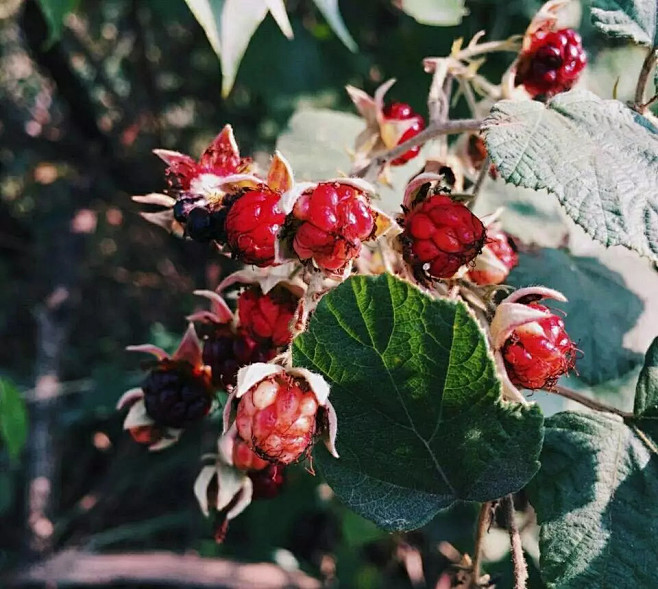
(331, 12)
(593, 498)
(13, 419)
(627, 19)
(229, 26)
(421, 423)
(646, 395)
(597, 156)
(442, 13)
(598, 329)
(55, 11)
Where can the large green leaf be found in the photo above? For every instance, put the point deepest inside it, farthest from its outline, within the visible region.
(229, 26)
(55, 11)
(600, 310)
(593, 497)
(13, 419)
(628, 19)
(421, 423)
(435, 12)
(597, 156)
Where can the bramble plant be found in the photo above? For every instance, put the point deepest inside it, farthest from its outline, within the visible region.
(394, 336)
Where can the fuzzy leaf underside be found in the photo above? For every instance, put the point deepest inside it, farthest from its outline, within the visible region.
(627, 19)
(597, 329)
(593, 497)
(597, 156)
(420, 419)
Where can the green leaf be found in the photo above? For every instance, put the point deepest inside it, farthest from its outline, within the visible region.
(55, 11)
(597, 156)
(600, 310)
(627, 19)
(229, 26)
(442, 13)
(646, 394)
(331, 12)
(421, 423)
(13, 419)
(593, 498)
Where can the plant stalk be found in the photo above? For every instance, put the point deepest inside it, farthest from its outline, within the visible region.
(568, 393)
(484, 520)
(435, 129)
(520, 566)
(640, 90)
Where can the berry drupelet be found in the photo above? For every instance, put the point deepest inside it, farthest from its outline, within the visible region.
(400, 111)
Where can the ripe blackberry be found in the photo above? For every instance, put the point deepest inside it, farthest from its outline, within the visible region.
(252, 225)
(552, 63)
(226, 351)
(536, 354)
(176, 396)
(440, 236)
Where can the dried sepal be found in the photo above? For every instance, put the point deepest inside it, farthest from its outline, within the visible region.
(219, 311)
(285, 275)
(189, 349)
(331, 429)
(280, 177)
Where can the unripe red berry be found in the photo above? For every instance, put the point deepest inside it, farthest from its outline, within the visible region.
(267, 317)
(536, 354)
(441, 235)
(226, 351)
(277, 417)
(400, 111)
(176, 395)
(244, 457)
(553, 62)
(498, 257)
(335, 218)
(252, 224)
(267, 482)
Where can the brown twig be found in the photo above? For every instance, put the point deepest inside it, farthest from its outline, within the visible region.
(587, 402)
(648, 66)
(520, 566)
(433, 130)
(156, 568)
(484, 521)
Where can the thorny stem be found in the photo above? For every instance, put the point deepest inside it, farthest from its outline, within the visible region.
(479, 181)
(587, 402)
(520, 566)
(484, 520)
(433, 130)
(647, 67)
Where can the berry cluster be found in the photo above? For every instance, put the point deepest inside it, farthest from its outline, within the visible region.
(552, 63)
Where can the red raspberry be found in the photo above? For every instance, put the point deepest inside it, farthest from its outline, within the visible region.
(441, 235)
(335, 219)
(277, 418)
(244, 457)
(226, 352)
(267, 317)
(400, 111)
(497, 259)
(176, 395)
(267, 482)
(252, 224)
(538, 353)
(552, 63)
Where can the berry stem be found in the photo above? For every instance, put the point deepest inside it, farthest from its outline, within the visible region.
(479, 181)
(587, 402)
(484, 521)
(513, 44)
(520, 566)
(433, 130)
(647, 68)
